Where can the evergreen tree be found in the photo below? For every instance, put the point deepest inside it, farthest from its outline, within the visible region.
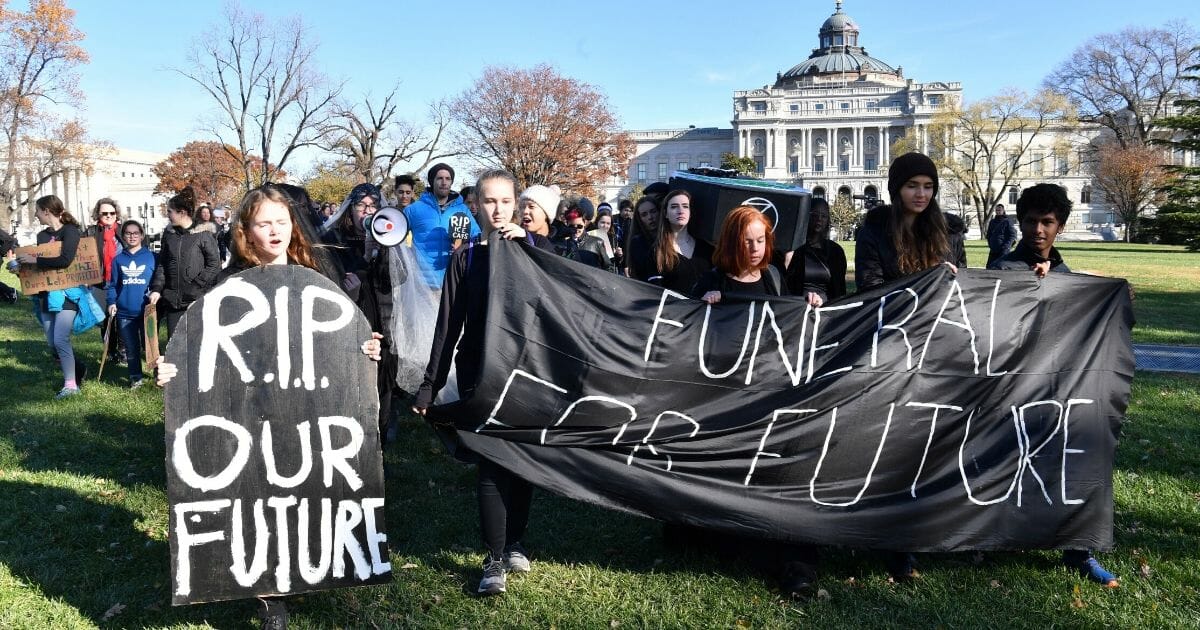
(1178, 220)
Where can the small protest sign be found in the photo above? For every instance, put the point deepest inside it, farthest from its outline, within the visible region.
(274, 468)
(150, 334)
(85, 270)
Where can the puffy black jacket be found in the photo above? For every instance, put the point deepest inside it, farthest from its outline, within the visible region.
(875, 259)
(187, 267)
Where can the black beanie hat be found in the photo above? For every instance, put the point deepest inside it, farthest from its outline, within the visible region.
(586, 209)
(906, 167)
(365, 190)
(440, 166)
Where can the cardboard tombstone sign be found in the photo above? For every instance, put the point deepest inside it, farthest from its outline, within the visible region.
(785, 206)
(84, 270)
(274, 470)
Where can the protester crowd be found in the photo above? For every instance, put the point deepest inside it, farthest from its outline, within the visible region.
(646, 239)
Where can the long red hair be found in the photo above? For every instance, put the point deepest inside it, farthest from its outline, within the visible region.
(731, 255)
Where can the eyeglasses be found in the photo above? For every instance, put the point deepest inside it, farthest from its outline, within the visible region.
(129, 234)
(364, 206)
(578, 227)
(108, 214)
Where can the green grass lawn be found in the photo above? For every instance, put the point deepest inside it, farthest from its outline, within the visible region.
(83, 515)
(1166, 280)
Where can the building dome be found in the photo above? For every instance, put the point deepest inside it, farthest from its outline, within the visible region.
(838, 53)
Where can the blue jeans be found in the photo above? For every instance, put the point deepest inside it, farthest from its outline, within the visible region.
(131, 333)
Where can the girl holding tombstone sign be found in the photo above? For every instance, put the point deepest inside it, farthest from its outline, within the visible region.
(504, 498)
(267, 233)
(57, 310)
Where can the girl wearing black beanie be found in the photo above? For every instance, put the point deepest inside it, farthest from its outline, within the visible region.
(910, 235)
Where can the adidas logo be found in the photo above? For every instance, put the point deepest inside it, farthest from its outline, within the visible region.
(134, 270)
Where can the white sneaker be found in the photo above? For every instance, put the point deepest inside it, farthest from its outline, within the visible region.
(515, 560)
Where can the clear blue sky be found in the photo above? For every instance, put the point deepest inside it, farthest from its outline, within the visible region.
(662, 64)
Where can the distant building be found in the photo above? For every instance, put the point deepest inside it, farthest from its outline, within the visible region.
(829, 123)
(122, 174)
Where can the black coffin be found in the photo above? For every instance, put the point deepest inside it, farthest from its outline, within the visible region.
(713, 197)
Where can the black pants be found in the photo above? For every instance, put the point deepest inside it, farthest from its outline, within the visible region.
(504, 501)
(171, 316)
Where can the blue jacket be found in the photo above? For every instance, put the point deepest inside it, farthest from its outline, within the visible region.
(434, 231)
(130, 281)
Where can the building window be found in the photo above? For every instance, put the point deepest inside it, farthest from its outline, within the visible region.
(705, 165)
(793, 164)
(1085, 195)
(893, 103)
(818, 164)
(758, 164)
(818, 106)
(662, 170)
(1036, 165)
(845, 107)
(641, 172)
(844, 164)
(869, 163)
(759, 106)
(935, 99)
(1014, 163)
(872, 106)
(1012, 195)
(794, 107)
(1062, 166)
(818, 192)
(683, 166)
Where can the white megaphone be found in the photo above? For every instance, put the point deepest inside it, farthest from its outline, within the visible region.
(388, 226)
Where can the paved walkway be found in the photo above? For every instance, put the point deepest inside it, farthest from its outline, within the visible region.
(1167, 358)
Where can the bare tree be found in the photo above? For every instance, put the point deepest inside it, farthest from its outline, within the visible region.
(543, 127)
(39, 53)
(271, 98)
(1127, 81)
(375, 141)
(986, 146)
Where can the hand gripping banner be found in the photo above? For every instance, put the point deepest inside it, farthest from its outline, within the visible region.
(941, 412)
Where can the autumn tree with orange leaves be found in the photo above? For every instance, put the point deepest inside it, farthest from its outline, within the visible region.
(39, 53)
(541, 126)
(1131, 178)
(212, 169)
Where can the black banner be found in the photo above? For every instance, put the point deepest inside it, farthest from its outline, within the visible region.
(274, 471)
(941, 412)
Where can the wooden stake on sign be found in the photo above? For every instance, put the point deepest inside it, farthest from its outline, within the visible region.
(150, 335)
(104, 355)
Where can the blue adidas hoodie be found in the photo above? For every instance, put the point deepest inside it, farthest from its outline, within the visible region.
(130, 281)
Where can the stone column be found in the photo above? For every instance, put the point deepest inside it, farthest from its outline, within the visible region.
(882, 151)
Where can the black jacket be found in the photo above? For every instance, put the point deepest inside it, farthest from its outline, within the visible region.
(187, 266)
(875, 259)
(588, 250)
(1001, 234)
(1023, 258)
(682, 279)
(820, 268)
(463, 312)
(716, 280)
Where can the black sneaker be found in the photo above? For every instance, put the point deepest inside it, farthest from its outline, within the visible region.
(273, 614)
(797, 579)
(493, 576)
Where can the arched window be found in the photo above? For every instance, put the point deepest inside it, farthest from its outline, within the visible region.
(845, 191)
(1085, 195)
(818, 192)
(871, 192)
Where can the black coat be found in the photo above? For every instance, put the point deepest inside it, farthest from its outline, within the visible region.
(820, 268)
(588, 250)
(875, 259)
(187, 266)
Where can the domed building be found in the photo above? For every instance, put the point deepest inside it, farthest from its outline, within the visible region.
(829, 121)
